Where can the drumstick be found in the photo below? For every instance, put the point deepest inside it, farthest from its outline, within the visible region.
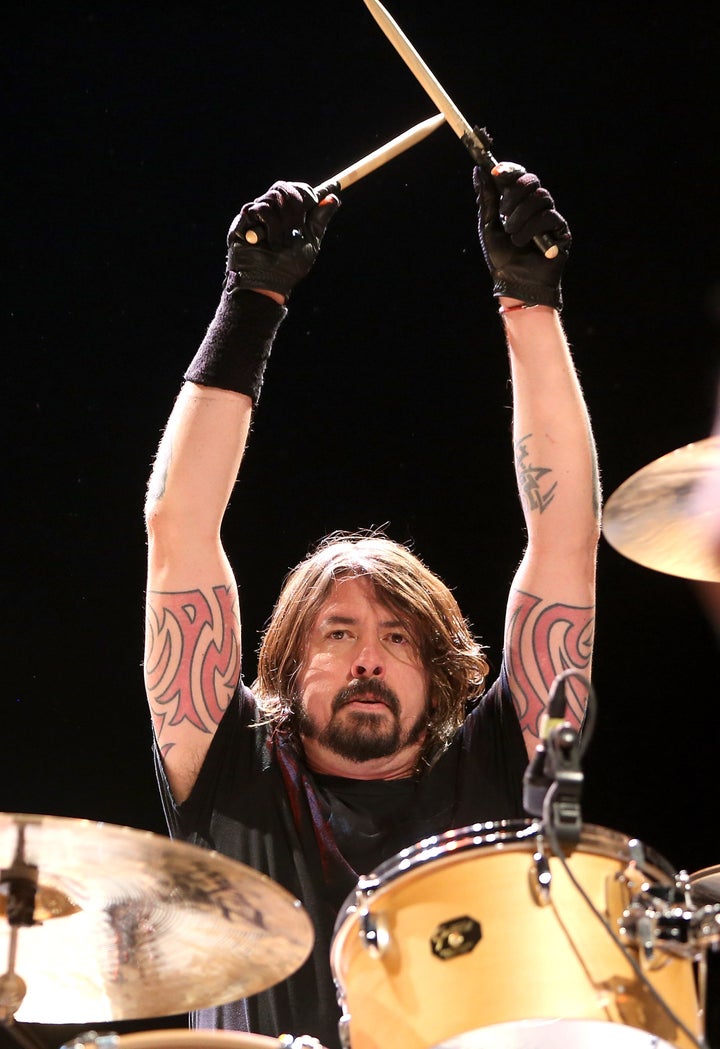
(371, 162)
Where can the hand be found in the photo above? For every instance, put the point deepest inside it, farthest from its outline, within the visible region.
(290, 223)
(513, 208)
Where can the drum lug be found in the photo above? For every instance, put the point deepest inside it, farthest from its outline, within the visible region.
(373, 932)
(540, 879)
(636, 852)
(303, 1041)
(93, 1040)
(344, 1029)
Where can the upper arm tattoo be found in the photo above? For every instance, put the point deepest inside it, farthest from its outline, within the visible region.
(534, 496)
(542, 641)
(192, 660)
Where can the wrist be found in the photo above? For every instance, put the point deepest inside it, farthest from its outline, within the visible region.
(275, 295)
(235, 350)
(516, 306)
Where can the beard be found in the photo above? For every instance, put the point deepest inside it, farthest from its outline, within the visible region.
(364, 735)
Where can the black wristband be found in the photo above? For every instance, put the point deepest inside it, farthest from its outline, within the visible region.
(236, 347)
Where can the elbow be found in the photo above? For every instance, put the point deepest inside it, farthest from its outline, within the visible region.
(572, 546)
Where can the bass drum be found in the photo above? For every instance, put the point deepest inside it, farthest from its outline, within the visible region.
(479, 937)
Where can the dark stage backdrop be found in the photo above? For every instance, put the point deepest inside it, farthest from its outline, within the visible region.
(133, 135)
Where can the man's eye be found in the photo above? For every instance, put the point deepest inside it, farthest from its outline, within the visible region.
(337, 635)
(398, 639)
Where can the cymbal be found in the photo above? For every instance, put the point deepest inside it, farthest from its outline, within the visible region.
(705, 885)
(133, 925)
(660, 517)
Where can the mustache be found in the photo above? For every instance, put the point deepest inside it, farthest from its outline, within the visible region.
(372, 687)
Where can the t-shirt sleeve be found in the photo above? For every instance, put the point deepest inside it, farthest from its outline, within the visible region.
(187, 819)
(494, 758)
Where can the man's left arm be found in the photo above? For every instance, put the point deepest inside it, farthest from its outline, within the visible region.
(551, 607)
(550, 617)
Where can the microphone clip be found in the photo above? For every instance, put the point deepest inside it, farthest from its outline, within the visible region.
(562, 767)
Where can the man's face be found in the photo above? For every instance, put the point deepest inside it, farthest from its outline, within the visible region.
(363, 691)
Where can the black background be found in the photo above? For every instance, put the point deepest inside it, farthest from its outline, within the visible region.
(132, 136)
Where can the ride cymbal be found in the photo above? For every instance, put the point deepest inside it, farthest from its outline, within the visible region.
(102, 922)
(661, 516)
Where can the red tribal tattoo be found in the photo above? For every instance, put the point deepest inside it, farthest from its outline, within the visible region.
(193, 658)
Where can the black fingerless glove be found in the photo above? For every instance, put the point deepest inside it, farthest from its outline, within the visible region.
(512, 209)
(288, 224)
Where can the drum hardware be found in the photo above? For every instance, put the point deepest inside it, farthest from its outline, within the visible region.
(653, 922)
(101, 923)
(553, 781)
(540, 879)
(373, 931)
(303, 1041)
(455, 937)
(638, 928)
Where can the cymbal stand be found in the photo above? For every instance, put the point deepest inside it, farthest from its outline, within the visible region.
(19, 884)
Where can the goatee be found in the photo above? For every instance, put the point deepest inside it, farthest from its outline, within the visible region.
(363, 735)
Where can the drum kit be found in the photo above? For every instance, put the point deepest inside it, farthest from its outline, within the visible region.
(488, 937)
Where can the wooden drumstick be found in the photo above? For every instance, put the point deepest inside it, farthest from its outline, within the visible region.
(476, 140)
(371, 162)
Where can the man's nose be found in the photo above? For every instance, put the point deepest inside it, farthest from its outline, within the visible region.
(369, 662)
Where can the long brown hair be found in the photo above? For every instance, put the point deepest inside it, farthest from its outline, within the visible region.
(452, 657)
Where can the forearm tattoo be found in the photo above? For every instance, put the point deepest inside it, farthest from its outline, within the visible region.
(192, 660)
(542, 642)
(534, 495)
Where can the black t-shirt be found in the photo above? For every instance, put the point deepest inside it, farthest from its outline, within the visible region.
(255, 801)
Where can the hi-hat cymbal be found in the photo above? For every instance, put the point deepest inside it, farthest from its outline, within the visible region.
(705, 886)
(134, 925)
(660, 518)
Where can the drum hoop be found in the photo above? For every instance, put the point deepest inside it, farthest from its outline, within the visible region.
(704, 885)
(705, 872)
(508, 835)
(182, 1038)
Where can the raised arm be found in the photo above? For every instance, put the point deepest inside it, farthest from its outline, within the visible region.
(551, 607)
(192, 645)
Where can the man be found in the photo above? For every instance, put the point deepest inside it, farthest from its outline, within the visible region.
(362, 735)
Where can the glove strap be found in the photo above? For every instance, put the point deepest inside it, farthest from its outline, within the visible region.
(236, 348)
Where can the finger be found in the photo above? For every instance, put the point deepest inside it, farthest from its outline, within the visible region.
(320, 217)
(282, 211)
(544, 222)
(506, 172)
(486, 196)
(278, 213)
(517, 217)
(520, 190)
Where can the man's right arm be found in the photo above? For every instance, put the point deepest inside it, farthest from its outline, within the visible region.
(192, 641)
(192, 646)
